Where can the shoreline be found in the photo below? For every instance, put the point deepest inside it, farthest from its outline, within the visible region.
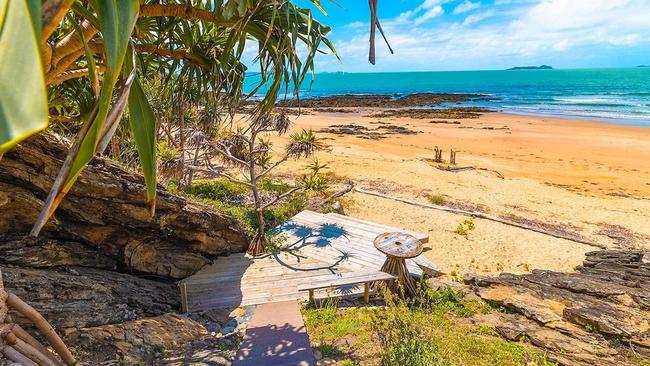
(572, 117)
(586, 177)
(433, 100)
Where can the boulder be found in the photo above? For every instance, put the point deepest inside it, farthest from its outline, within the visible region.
(595, 316)
(79, 297)
(136, 342)
(103, 221)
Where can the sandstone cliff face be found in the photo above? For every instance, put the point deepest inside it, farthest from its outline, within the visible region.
(103, 222)
(102, 263)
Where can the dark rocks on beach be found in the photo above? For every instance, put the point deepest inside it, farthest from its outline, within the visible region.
(443, 113)
(598, 315)
(442, 121)
(379, 101)
(363, 132)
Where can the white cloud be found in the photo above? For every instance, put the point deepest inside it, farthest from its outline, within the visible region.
(429, 9)
(429, 14)
(529, 32)
(477, 17)
(466, 6)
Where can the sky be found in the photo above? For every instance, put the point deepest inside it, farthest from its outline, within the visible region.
(431, 35)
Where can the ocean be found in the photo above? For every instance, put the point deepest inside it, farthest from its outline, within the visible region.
(619, 96)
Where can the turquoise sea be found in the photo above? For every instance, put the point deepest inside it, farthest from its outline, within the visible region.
(612, 95)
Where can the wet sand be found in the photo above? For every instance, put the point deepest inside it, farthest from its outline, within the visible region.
(588, 178)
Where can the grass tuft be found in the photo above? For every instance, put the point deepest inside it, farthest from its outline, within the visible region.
(437, 199)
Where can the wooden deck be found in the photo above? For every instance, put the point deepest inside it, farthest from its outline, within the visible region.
(317, 246)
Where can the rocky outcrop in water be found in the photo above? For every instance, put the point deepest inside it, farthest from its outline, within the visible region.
(599, 315)
(379, 101)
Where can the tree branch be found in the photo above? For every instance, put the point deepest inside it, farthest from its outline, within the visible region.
(278, 198)
(53, 11)
(225, 151)
(178, 54)
(273, 166)
(71, 74)
(72, 42)
(220, 173)
(180, 11)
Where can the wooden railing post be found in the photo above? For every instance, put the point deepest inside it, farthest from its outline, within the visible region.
(183, 288)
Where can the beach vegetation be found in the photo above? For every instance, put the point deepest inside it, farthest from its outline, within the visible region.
(315, 180)
(464, 228)
(426, 331)
(437, 199)
(247, 153)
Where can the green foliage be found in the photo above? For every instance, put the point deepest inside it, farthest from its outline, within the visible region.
(216, 193)
(436, 199)
(416, 333)
(270, 185)
(166, 153)
(143, 126)
(199, 52)
(304, 143)
(215, 189)
(463, 229)
(23, 101)
(314, 180)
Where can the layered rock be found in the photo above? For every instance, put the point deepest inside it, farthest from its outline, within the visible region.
(78, 297)
(598, 315)
(136, 342)
(103, 222)
(103, 271)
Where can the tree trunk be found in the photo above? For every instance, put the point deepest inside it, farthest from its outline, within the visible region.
(258, 244)
(181, 136)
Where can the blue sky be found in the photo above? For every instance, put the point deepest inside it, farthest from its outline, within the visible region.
(489, 34)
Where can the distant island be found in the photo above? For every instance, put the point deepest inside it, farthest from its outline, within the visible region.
(543, 67)
(643, 66)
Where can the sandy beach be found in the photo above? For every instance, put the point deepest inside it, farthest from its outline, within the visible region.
(590, 179)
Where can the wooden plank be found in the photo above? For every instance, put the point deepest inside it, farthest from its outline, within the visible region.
(373, 255)
(238, 279)
(423, 237)
(347, 221)
(184, 307)
(345, 279)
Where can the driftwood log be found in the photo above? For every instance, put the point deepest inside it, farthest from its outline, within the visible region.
(404, 285)
(486, 216)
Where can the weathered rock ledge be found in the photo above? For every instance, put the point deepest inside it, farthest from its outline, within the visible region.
(103, 271)
(103, 222)
(599, 315)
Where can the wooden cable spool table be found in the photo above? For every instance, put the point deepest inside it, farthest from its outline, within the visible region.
(398, 247)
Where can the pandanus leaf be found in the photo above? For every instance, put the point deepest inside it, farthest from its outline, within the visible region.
(23, 99)
(143, 126)
(117, 21)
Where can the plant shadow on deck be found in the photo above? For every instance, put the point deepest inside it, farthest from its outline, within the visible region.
(275, 345)
(321, 237)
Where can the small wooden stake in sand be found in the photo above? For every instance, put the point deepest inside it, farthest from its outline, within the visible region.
(398, 247)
